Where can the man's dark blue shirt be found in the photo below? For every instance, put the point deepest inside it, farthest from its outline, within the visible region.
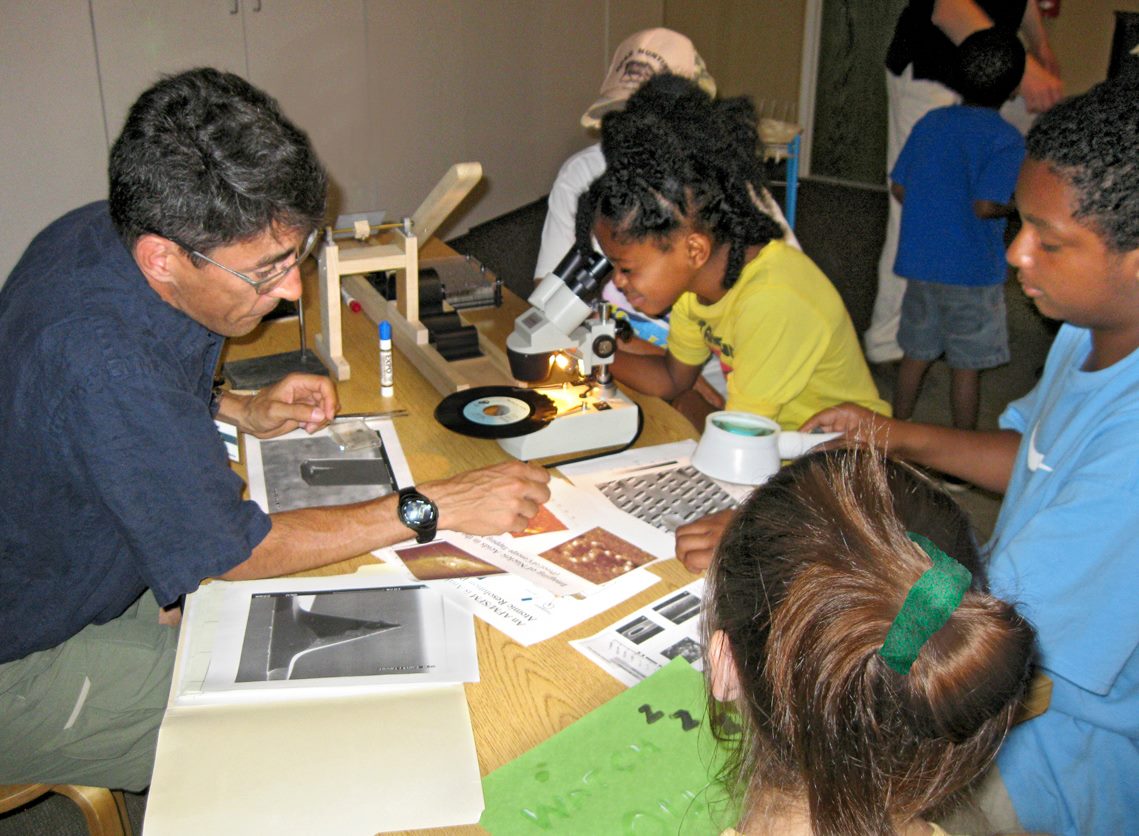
(114, 477)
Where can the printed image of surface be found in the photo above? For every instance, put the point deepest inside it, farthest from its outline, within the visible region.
(289, 474)
(598, 555)
(679, 608)
(441, 560)
(668, 499)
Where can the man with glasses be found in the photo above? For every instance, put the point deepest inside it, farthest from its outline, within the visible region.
(117, 498)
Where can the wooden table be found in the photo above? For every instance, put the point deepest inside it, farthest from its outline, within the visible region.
(526, 694)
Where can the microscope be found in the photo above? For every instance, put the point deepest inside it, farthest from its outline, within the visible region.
(564, 329)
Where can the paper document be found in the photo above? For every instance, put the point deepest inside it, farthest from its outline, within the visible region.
(298, 470)
(268, 639)
(656, 485)
(578, 557)
(640, 644)
(344, 692)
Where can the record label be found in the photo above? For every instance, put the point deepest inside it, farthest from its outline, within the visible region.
(495, 411)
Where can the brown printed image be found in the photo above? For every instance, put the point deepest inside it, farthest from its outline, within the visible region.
(541, 523)
(598, 556)
(441, 560)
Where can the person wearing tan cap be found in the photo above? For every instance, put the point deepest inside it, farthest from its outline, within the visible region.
(637, 59)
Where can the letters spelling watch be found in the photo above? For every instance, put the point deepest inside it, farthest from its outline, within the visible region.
(418, 513)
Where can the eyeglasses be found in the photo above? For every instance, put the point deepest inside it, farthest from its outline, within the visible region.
(271, 276)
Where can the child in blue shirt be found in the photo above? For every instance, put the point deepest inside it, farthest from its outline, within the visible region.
(1066, 458)
(954, 179)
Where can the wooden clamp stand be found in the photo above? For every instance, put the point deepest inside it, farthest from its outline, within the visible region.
(402, 255)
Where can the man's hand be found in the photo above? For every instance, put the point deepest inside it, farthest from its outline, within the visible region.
(1040, 87)
(298, 400)
(696, 542)
(491, 500)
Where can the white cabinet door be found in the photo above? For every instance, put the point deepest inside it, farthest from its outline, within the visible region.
(139, 40)
(51, 121)
(311, 56)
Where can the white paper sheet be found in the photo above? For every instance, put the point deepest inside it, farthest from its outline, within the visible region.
(577, 545)
(273, 468)
(352, 760)
(641, 643)
(655, 485)
(281, 638)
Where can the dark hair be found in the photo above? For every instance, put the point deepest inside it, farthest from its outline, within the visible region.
(805, 585)
(206, 159)
(990, 65)
(1092, 142)
(676, 156)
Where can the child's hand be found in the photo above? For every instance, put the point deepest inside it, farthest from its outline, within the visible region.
(697, 541)
(708, 393)
(850, 419)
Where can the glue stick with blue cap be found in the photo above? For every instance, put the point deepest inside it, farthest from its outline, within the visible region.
(387, 383)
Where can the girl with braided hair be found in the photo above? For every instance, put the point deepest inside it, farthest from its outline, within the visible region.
(678, 213)
(852, 637)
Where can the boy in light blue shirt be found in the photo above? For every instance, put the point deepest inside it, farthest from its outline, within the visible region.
(1067, 459)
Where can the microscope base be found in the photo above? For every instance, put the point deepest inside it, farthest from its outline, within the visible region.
(592, 429)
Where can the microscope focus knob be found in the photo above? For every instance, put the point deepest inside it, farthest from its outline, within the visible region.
(605, 346)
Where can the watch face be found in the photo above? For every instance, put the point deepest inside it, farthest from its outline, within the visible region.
(417, 511)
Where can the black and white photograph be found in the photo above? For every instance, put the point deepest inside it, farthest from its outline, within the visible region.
(352, 632)
(690, 649)
(640, 630)
(643, 642)
(668, 499)
(679, 608)
(296, 634)
(313, 472)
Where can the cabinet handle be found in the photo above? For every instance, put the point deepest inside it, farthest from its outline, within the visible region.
(233, 7)
(256, 5)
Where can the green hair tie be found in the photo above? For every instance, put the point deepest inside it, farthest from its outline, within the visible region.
(928, 605)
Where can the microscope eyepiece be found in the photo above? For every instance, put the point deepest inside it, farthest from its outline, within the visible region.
(583, 272)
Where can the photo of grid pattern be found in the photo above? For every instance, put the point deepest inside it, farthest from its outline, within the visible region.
(667, 499)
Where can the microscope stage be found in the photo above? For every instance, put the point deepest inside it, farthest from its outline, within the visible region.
(590, 424)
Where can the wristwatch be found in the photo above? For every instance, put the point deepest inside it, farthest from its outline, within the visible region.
(418, 513)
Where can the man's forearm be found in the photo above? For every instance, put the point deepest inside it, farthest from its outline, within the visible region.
(959, 19)
(231, 407)
(491, 500)
(309, 538)
(1032, 27)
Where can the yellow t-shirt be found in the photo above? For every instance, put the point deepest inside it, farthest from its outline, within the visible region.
(783, 338)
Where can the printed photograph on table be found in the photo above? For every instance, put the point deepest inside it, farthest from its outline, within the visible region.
(314, 471)
(441, 560)
(668, 499)
(598, 555)
(543, 522)
(641, 643)
(679, 608)
(357, 632)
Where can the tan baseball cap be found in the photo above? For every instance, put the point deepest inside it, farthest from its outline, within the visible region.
(639, 58)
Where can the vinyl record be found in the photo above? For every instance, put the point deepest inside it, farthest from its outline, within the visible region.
(495, 411)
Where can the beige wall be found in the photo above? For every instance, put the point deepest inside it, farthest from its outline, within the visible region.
(502, 82)
(1081, 39)
(751, 47)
